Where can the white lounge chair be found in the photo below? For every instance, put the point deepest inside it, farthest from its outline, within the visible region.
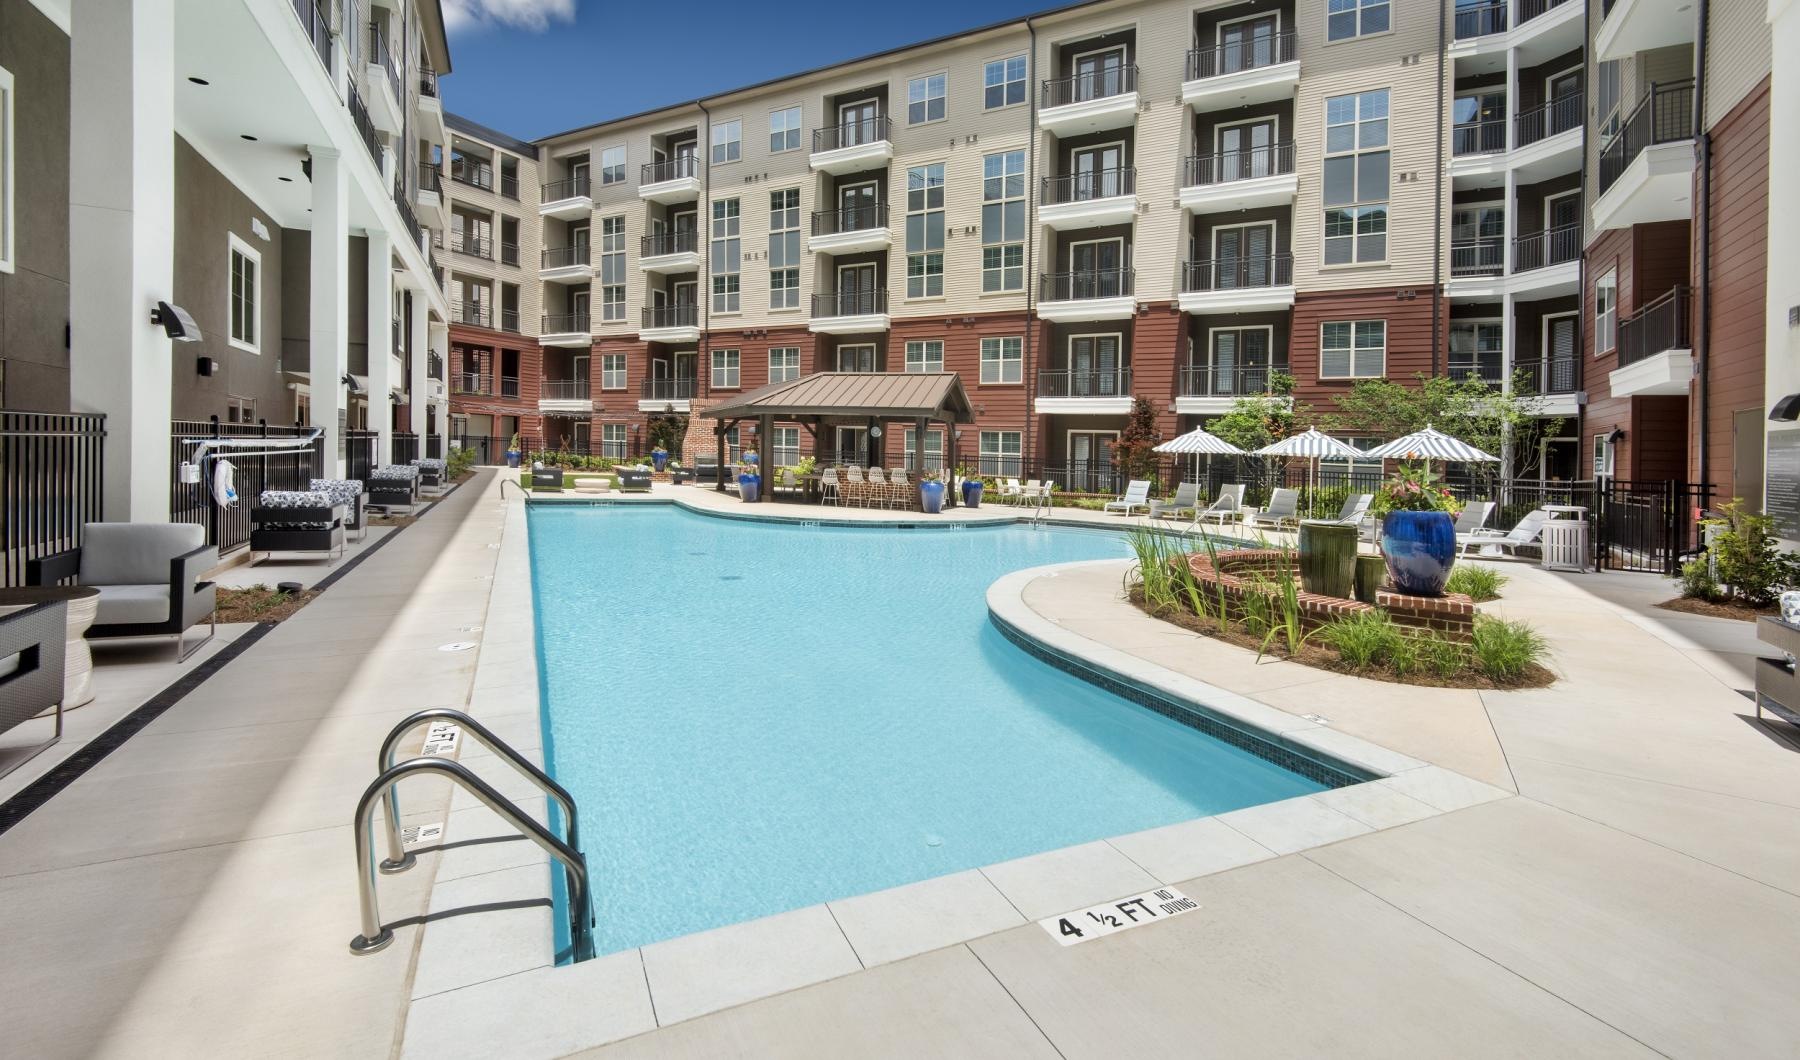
(1186, 499)
(1227, 507)
(1136, 495)
(1473, 517)
(1355, 507)
(1283, 511)
(1524, 535)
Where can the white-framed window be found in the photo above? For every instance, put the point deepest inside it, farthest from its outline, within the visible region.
(1000, 451)
(725, 255)
(612, 268)
(856, 357)
(727, 141)
(1606, 99)
(1353, 349)
(1345, 19)
(1003, 221)
(7, 194)
(1003, 83)
(934, 448)
(784, 249)
(1357, 164)
(725, 369)
(784, 446)
(613, 441)
(925, 231)
(784, 130)
(612, 165)
(1603, 456)
(612, 371)
(1003, 360)
(240, 409)
(784, 364)
(925, 356)
(245, 295)
(1477, 350)
(925, 99)
(1606, 312)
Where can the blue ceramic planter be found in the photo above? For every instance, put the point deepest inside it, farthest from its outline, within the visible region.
(1420, 548)
(931, 497)
(659, 460)
(972, 493)
(749, 488)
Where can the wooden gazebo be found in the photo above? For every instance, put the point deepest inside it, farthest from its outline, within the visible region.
(923, 398)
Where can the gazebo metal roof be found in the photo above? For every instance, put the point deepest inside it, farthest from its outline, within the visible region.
(882, 395)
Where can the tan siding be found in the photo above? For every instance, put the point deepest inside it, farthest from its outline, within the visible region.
(524, 209)
(1740, 46)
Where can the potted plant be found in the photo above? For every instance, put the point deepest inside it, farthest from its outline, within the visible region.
(659, 457)
(931, 492)
(749, 481)
(971, 488)
(1418, 530)
(512, 451)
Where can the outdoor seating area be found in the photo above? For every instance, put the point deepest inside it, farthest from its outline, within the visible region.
(148, 575)
(394, 486)
(298, 521)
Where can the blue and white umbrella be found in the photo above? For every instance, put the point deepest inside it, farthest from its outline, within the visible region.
(1430, 444)
(1200, 442)
(1313, 446)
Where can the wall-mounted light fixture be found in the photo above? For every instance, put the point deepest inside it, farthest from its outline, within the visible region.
(176, 323)
(206, 366)
(1786, 410)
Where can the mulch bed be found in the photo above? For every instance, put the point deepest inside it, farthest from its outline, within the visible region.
(1690, 605)
(259, 603)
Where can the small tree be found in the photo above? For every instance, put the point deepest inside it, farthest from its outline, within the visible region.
(1135, 450)
(1468, 409)
(1254, 422)
(668, 431)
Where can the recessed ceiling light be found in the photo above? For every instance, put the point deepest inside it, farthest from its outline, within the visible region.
(199, 80)
(246, 136)
(285, 180)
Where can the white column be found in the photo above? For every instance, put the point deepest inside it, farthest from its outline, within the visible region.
(329, 336)
(440, 345)
(418, 395)
(1512, 96)
(381, 340)
(122, 240)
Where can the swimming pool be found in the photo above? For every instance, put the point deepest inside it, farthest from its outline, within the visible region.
(756, 717)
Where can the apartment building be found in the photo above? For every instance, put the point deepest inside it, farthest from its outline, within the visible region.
(492, 261)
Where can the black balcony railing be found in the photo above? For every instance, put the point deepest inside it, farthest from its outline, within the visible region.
(1530, 9)
(853, 133)
(1086, 187)
(572, 188)
(564, 324)
(565, 257)
(564, 390)
(678, 168)
(509, 253)
(509, 320)
(1227, 166)
(1092, 85)
(509, 186)
(1546, 120)
(1658, 327)
(1478, 257)
(428, 82)
(407, 217)
(1239, 56)
(315, 19)
(509, 386)
(675, 241)
(471, 313)
(1550, 247)
(381, 55)
(434, 366)
(1479, 369)
(52, 466)
(1480, 20)
(1093, 283)
(431, 179)
(365, 126)
(849, 303)
(474, 174)
(864, 218)
(1227, 380)
(674, 388)
(1079, 383)
(1664, 115)
(1555, 375)
(679, 315)
(471, 244)
(1478, 137)
(471, 383)
(1230, 274)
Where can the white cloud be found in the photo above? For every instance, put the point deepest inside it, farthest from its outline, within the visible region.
(533, 16)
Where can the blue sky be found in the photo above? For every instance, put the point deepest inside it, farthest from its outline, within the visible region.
(535, 67)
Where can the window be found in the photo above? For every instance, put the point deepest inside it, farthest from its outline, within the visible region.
(1606, 312)
(1003, 221)
(612, 371)
(1476, 350)
(1344, 472)
(1004, 82)
(1000, 453)
(925, 231)
(784, 249)
(612, 440)
(1356, 178)
(784, 130)
(934, 448)
(784, 364)
(612, 165)
(612, 268)
(925, 99)
(245, 295)
(240, 409)
(6, 171)
(1606, 98)
(1345, 19)
(725, 256)
(1003, 360)
(857, 358)
(927, 356)
(727, 141)
(784, 445)
(1353, 349)
(725, 369)
(1603, 456)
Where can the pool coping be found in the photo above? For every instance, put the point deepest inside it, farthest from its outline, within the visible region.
(489, 983)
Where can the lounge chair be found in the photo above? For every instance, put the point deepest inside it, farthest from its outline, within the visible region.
(297, 521)
(397, 486)
(1524, 535)
(1136, 495)
(1355, 507)
(148, 575)
(1227, 507)
(1283, 511)
(1472, 518)
(1186, 499)
(350, 493)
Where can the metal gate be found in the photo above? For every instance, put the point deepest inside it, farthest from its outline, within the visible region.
(1647, 526)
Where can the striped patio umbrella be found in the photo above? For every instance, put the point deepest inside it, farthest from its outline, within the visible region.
(1198, 443)
(1430, 444)
(1313, 446)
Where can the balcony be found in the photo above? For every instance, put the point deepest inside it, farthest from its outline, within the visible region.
(849, 312)
(469, 243)
(678, 323)
(1539, 29)
(509, 321)
(1554, 384)
(1240, 180)
(381, 79)
(1655, 352)
(1090, 102)
(1546, 142)
(1237, 285)
(473, 384)
(431, 108)
(853, 146)
(509, 254)
(564, 396)
(1480, 20)
(509, 186)
(472, 173)
(1209, 390)
(671, 181)
(1068, 390)
(1099, 294)
(565, 265)
(509, 387)
(434, 209)
(1631, 26)
(570, 199)
(1089, 200)
(1235, 75)
(668, 252)
(669, 394)
(850, 230)
(317, 23)
(1477, 257)
(1463, 369)
(1647, 170)
(364, 125)
(564, 329)
(474, 314)
(1547, 264)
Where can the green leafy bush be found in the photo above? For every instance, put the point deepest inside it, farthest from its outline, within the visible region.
(1697, 579)
(1441, 655)
(1362, 639)
(1477, 583)
(1745, 557)
(1505, 650)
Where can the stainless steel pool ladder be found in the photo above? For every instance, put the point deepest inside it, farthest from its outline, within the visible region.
(375, 936)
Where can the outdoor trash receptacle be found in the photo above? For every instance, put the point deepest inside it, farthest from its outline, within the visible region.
(1328, 557)
(1565, 544)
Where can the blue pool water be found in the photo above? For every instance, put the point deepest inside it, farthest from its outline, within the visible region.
(756, 717)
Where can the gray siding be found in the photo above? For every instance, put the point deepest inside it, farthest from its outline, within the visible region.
(34, 297)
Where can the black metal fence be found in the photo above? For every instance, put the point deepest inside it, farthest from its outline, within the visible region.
(361, 454)
(1480, 20)
(1248, 164)
(1089, 186)
(1239, 56)
(228, 528)
(51, 473)
(405, 448)
(1102, 83)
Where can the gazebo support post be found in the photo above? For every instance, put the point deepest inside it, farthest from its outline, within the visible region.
(765, 448)
(719, 434)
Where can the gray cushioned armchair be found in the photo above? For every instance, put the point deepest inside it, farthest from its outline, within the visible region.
(148, 575)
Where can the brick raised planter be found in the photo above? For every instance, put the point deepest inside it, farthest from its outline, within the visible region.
(1452, 614)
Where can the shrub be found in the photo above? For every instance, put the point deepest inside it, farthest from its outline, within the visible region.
(1404, 653)
(1477, 583)
(1697, 579)
(1362, 639)
(1441, 655)
(1257, 605)
(1745, 556)
(1505, 650)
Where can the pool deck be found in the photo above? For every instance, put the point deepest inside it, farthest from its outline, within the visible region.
(193, 894)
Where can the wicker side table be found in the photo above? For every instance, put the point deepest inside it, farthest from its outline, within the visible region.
(78, 662)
